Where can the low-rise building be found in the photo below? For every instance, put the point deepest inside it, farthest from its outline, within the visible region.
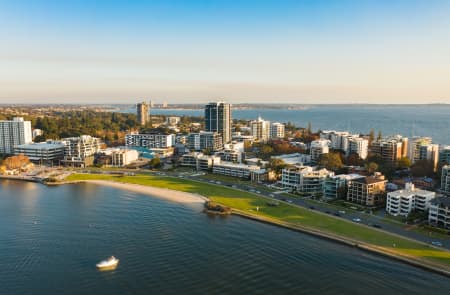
(204, 140)
(305, 179)
(368, 191)
(403, 202)
(439, 213)
(294, 159)
(199, 161)
(44, 153)
(234, 170)
(336, 186)
(150, 140)
(80, 151)
(118, 157)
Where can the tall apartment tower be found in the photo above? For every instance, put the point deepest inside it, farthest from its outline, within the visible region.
(218, 119)
(14, 133)
(143, 109)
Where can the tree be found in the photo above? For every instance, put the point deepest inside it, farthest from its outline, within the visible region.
(422, 168)
(380, 135)
(371, 136)
(155, 162)
(371, 167)
(309, 129)
(354, 160)
(277, 165)
(404, 163)
(331, 161)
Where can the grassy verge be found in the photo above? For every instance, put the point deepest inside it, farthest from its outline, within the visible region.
(294, 215)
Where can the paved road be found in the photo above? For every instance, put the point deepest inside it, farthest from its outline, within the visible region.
(366, 219)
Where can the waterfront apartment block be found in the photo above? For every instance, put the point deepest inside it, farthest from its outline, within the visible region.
(444, 155)
(142, 110)
(234, 170)
(13, 133)
(218, 119)
(305, 179)
(277, 130)
(390, 149)
(445, 179)
(79, 151)
(118, 157)
(150, 140)
(439, 214)
(367, 191)
(204, 140)
(359, 146)
(415, 144)
(199, 161)
(403, 202)
(338, 139)
(319, 147)
(260, 129)
(43, 153)
(336, 186)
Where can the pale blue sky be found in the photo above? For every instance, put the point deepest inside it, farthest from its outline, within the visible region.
(243, 51)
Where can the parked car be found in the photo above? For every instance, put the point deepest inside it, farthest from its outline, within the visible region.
(376, 225)
(356, 219)
(436, 243)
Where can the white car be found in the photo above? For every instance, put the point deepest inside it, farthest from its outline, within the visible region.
(356, 219)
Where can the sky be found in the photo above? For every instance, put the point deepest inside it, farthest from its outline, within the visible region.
(259, 51)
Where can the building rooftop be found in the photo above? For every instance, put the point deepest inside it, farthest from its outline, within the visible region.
(369, 180)
(42, 145)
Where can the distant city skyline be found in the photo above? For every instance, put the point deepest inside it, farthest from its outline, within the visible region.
(311, 52)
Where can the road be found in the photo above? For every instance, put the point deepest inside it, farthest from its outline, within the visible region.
(370, 220)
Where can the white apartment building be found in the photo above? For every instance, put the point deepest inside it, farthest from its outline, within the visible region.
(359, 146)
(439, 214)
(277, 130)
(403, 202)
(204, 140)
(14, 133)
(335, 185)
(338, 139)
(445, 179)
(294, 159)
(260, 129)
(150, 140)
(234, 170)
(305, 179)
(444, 155)
(123, 157)
(79, 151)
(414, 147)
(319, 147)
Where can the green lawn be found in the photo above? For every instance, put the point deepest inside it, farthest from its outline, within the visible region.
(294, 215)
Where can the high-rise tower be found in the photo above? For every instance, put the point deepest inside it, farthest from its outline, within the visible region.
(218, 119)
(143, 113)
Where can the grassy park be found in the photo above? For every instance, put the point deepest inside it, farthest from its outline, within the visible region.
(285, 213)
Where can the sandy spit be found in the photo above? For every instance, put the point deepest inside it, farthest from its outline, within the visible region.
(162, 193)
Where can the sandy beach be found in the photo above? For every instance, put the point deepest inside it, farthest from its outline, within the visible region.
(195, 200)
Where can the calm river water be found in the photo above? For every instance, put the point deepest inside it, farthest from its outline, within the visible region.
(52, 237)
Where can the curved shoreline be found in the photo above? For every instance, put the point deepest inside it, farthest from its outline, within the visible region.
(198, 200)
(161, 193)
(425, 265)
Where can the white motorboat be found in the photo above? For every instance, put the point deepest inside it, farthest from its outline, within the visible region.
(111, 262)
